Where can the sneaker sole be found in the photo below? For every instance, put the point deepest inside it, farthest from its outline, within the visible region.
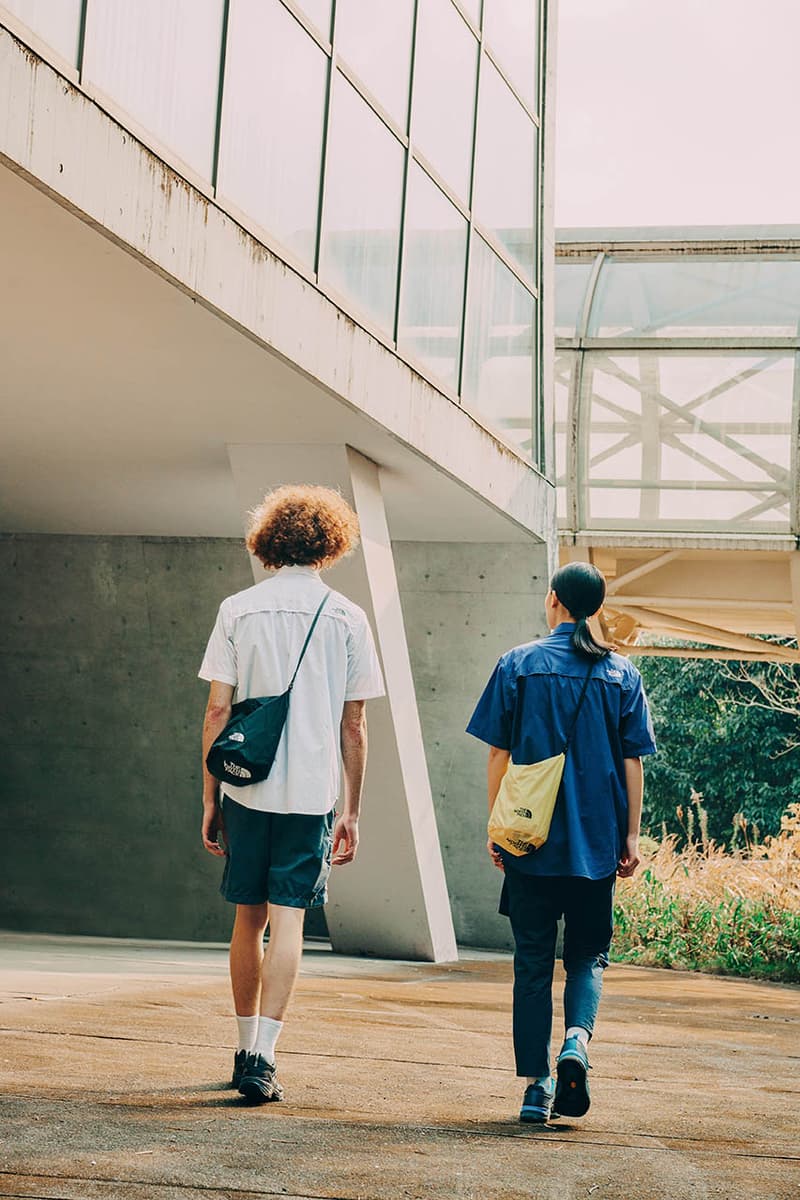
(572, 1088)
(259, 1092)
(534, 1116)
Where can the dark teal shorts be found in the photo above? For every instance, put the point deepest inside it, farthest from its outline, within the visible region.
(280, 858)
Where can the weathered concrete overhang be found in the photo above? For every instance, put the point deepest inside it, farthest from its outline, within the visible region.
(60, 140)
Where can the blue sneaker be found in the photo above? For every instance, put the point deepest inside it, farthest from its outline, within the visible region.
(537, 1103)
(572, 1097)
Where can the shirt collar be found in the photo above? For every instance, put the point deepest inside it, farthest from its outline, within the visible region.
(565, 628)
(298, 570)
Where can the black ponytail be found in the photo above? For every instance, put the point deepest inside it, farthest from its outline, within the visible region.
(581, 588)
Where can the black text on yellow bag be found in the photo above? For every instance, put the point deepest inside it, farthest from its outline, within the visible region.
(521, 814)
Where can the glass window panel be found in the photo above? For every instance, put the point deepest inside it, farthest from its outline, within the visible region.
(505, 169)
(707, 443)
(571, 281)
(319, 13)
(443, 107)
(159, 61)
(363, 194)
(511, 29)
(564, 366)
(697, 297)
(499, 348)
(56, 22)
(434, 266)
(473, 10)
(272, 121)
(375, 40)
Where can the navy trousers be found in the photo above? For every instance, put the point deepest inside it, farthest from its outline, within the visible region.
(534, 904)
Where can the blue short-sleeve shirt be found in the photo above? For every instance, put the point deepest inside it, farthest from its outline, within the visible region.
(527, 708)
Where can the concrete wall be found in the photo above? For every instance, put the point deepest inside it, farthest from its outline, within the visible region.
(101, 782)
(464, 604)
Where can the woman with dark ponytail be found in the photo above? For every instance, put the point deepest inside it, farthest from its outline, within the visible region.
(581, 589)
(568, 694)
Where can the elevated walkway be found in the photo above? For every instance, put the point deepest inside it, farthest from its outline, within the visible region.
(677, 430)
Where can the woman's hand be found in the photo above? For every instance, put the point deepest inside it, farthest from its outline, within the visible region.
(495, 855)
(630, 857)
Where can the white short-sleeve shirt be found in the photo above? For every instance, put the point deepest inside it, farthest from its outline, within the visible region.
(255, 645)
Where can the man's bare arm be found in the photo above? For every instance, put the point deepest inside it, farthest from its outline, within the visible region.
(634, 783)
(354, 761)
(495, 770)
(218, 711)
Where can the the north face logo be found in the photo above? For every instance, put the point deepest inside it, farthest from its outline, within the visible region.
(233, 768)
(523, 812)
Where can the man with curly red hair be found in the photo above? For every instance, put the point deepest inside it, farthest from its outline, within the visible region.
(280, 836)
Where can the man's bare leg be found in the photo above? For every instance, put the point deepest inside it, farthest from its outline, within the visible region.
(247, 956)
(281, 960)
(278, 977)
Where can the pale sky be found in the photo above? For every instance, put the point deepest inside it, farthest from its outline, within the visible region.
(678, 112)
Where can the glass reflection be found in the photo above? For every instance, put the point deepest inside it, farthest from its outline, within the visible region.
(697, 297)
(499, 348)
(564, 366)
(511, 29)
(432, 291)
(159, 61)
(505, 169)
(443, 106)
(272, 122)
(361, 220)
(319, 13)
(375, 40)
(687, 440)
(571, 281)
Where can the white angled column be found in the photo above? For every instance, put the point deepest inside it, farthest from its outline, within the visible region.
(393, 900)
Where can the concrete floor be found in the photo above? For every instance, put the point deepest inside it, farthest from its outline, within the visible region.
(399, 1083)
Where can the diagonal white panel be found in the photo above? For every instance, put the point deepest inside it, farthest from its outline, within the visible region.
(393, 900)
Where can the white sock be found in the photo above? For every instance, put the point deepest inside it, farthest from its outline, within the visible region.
(543, 1081)
(577, 1032)
(268, 1034)
(248, 1028)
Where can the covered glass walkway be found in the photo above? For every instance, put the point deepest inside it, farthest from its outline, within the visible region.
(677, 413)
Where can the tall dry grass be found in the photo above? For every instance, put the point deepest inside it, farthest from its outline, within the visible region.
(705, 908)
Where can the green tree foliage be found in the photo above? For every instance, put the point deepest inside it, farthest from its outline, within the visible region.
(713, 740)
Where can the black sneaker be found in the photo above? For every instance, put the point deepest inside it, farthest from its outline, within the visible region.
(572, 1098)
(239, 1059)
(259, 1082)
(537, 1104)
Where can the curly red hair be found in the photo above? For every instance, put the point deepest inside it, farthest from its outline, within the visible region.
(302, 525)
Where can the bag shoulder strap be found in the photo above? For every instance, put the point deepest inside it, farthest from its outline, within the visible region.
(578, 709)
(322, 604)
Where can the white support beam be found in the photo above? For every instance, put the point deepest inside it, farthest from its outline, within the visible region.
(697, 631)
(794, 576)
(695, 652)
(393, 901)
(719, 604)
(645, 568)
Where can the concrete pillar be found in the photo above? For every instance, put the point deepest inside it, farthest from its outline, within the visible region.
(393, 900)
(465, 604)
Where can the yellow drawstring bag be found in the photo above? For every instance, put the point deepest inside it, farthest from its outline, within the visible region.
(526, 799)
(521, 814)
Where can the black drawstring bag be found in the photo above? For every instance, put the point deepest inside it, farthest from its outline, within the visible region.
(245, 750)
